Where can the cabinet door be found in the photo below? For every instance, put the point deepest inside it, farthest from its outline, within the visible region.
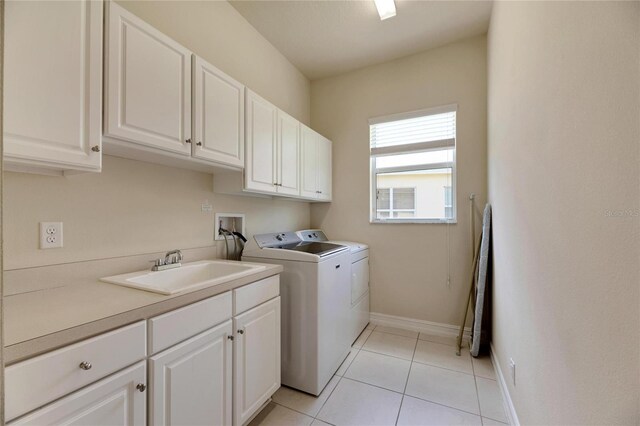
(260, 166)
(119, 399)
(256, 358)
(288, 155)
(324, 168)
(309, 162)
(147, 86)
(359, 279)
(190, 383)
(218, 109)
(53, 85)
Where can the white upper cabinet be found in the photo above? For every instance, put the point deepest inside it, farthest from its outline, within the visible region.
(273, 148)
(316, 165)
(147, 86)
(288, 155)
(309, 163)
(324, 168)
(218, 109)
(261, 149)
(52, 86)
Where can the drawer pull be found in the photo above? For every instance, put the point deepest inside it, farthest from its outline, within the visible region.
(141, 387)
(337, 266)
(84, 365)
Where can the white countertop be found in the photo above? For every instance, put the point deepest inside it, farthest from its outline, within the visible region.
(44, 319)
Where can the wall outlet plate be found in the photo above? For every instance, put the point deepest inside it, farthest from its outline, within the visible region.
(50, 235)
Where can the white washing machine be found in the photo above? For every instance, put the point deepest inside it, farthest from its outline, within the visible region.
(359, 272)
(316, 308)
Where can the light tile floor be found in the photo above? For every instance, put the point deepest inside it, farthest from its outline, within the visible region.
(396, 377)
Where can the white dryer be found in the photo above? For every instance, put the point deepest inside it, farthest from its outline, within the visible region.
(359, 272)
(316, 308)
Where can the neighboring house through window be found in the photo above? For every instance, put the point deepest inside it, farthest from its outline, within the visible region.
(448, 202)
(413, 166)
(396, 202)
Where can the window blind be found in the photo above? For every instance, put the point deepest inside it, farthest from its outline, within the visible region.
(413, 134)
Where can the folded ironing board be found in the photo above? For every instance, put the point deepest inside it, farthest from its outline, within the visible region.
(477, 336)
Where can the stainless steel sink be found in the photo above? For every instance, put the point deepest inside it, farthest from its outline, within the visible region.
(189, 276)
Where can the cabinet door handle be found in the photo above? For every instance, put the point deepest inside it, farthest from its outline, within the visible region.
(240, 331)
(337, 266)
(188, 140)
(141, 387)
(230, 338)
(84, 365)
(95, 148)
(199, 143)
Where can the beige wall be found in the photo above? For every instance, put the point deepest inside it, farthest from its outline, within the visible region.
(408, 261)
(1, 214)
(133, 207)
(563, 148)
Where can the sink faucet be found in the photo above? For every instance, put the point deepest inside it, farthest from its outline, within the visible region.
(171, 260)
(172, 257)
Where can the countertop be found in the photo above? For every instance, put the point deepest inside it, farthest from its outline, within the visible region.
(42, 320)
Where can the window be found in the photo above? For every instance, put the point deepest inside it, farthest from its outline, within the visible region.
(413, 166)
(396, 202)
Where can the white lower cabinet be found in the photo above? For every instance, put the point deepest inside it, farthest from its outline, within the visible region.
(191, 383)
(119, 399)
(214, 362)
(256, 359)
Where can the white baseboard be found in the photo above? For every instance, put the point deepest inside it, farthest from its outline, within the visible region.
(422, 326)
(502, 384)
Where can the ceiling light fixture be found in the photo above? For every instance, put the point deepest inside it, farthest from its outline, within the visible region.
(386, 9)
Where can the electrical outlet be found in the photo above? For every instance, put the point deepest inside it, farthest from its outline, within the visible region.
(512, 370)
(50, 235)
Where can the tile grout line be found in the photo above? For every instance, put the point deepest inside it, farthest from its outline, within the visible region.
(375, 386)
(326, 400)
(445, 368)
(475, 382)
(446, 406)
(339, 379)
(406, 383)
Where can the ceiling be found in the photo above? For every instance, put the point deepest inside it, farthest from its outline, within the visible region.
(323, 38)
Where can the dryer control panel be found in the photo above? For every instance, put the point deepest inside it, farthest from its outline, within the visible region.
(312, 235)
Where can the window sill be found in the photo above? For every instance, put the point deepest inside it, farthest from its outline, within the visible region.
(412, 221)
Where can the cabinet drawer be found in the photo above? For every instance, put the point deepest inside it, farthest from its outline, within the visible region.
(254, 294)
(111, 401)
(176, 326)
(37, 381)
